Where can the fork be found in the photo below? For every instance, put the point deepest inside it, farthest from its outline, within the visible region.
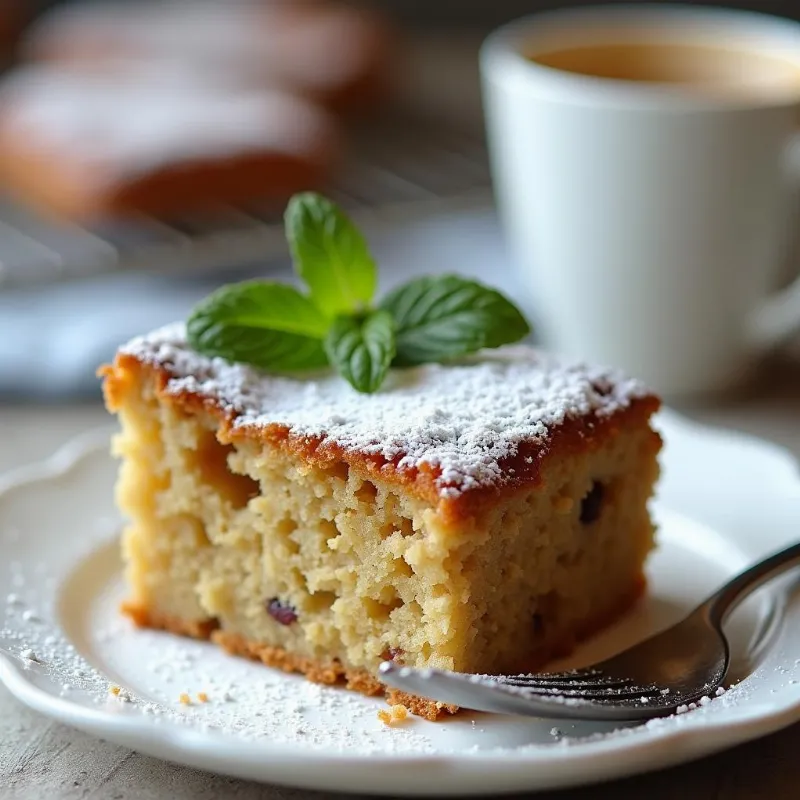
(657, 677)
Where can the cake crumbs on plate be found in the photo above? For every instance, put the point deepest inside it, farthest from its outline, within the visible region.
(184, 699)
(202, 697)
(396, 714)
(123, 695)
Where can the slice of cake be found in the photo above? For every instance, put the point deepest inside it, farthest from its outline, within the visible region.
(480, 517)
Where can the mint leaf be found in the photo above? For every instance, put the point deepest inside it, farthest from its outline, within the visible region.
(330, 255)
(268, 325)
(361, 348)
(443, 317)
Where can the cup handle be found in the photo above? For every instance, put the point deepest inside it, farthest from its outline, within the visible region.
(777, 318)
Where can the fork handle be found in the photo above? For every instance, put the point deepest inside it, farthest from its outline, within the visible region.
(724, 601)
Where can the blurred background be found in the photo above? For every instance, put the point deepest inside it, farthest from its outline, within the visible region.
(147, 149)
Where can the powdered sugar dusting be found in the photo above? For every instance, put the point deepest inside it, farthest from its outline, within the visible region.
(460, 420)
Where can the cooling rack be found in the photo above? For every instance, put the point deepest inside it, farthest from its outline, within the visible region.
(396, 169)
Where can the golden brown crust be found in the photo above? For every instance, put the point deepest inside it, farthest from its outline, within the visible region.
(574, 437)
(357, 679)
(143, 618)
(328, 673)
(431, 710)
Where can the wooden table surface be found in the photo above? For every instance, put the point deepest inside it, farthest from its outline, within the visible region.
(41, 759)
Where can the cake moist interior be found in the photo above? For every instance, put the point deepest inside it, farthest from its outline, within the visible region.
(335, 565)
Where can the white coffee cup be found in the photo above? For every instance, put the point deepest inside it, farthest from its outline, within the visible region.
(646, 162)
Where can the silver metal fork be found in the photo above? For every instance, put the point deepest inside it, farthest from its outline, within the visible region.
(679, 666)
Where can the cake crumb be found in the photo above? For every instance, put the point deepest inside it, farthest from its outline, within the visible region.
(563, 505)
(123, 695)
(28, 655)
(184, 699)
(202, 697)
(397, 713)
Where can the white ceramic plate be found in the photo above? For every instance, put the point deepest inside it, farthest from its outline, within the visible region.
(724, 501)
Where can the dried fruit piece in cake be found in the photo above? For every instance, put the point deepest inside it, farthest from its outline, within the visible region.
(481, 516)
(87, 147)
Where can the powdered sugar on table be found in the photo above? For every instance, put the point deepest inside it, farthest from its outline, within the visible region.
(461, 419)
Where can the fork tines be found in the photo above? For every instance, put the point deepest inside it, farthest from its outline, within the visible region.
(586, 683)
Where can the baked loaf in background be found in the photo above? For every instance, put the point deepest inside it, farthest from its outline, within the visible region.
(169, 108)
(91, 147)
(333, 53)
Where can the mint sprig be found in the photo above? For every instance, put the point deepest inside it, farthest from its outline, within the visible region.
(361, 349)
(268, 325)
(276, 327)
(330, 255)
(444, 317)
